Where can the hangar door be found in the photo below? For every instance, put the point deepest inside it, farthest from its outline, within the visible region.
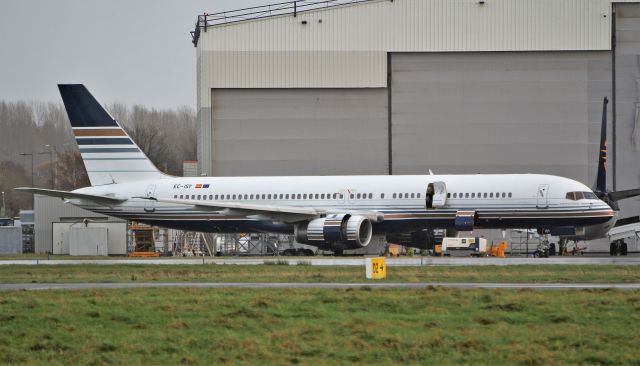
(299, 131)
(627, 104)
(498, 112)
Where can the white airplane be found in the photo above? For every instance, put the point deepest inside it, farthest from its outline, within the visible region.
(330, 212)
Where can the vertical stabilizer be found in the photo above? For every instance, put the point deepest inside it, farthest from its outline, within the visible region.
(601, 179)
(108, 153)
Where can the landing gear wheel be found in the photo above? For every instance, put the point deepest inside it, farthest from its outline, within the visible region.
(624, 250)
(552, 249)
(613, 249)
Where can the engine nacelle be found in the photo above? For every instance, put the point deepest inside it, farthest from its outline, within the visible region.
(339, 230)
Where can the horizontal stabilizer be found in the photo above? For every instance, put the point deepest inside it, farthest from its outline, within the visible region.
(72, 195)
(620, 195)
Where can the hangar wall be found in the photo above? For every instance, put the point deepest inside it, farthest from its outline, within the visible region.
(627, 52)
(498, 112)
(508, 86)
(299, 131)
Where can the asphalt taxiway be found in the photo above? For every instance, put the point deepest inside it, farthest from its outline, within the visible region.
(317, 285)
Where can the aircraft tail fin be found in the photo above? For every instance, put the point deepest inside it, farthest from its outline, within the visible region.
(601, 178)
(108, 153)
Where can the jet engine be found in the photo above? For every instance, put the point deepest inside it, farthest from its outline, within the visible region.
(340, 231)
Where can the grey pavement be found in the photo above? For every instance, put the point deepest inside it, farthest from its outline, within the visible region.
(317, 285)
(349, 261)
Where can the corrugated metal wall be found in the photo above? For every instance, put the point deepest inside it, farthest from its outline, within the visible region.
(345, 46)
(628, 103)
(508, 112)
(299, 131)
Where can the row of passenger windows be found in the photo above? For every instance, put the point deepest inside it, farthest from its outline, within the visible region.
(322, 196)
(281, 196)
(480, 195)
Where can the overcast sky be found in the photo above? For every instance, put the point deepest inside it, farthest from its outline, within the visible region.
(133, 52)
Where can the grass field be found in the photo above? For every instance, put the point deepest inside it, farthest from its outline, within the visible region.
(319, 327)
(284, 273)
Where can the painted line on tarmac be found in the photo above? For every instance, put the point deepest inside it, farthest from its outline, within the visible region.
(391, 262)
(317, 285)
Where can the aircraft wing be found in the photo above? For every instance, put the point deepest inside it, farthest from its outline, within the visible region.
(268, 211)
(620, 195)
(72, 195)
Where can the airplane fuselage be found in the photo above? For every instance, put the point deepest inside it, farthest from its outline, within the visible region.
(497, 201)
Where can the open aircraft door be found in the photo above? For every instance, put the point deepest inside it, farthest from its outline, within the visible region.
(436, 196)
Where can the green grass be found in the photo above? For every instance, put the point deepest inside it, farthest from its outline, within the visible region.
(305, 273)
(319, 327)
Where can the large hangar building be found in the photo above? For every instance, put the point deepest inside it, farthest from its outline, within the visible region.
(404, 86)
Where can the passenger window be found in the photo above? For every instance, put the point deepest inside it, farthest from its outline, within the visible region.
(510, 195)
(497, 194)
(381, 195)
(394, 195)
(503, 195)
(412, 195)
(491, 195)
(406, 195)
(234, 197)
(473, 195)
(418, 195)
(322, 196)
(485, 195)
(448, 195)
(466, 195)
(193, 196)
(358, 196)
(370, 195)
(304, 196)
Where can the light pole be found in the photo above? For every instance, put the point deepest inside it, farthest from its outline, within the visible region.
(2, 211)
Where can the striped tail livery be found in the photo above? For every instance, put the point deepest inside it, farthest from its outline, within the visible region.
(109, 154)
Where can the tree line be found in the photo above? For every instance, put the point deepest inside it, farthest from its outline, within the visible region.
(42, 131)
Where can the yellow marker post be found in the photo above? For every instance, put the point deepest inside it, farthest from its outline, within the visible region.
(376, 268)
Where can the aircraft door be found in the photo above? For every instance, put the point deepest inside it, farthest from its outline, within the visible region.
(150, 192)
(542, 196)
(436, 195)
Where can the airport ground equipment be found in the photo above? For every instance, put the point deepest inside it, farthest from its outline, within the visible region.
(624, 232)
(497, 250)
(476, 245)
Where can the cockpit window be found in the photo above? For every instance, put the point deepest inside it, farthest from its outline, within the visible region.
(576, 196)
